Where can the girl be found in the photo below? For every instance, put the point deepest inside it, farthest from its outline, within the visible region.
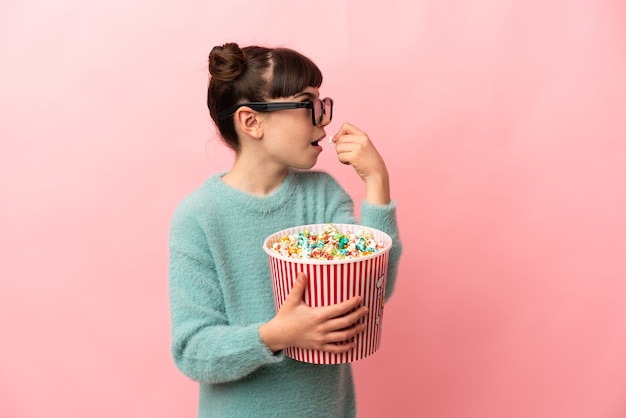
(225, 333)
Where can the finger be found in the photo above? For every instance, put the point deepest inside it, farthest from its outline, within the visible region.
(348, 319)
(348, 129)
(345, 335)
(353, 146)
(346, 322)
(349, 139)
(340, 309)
(296, 294)
(336, 348)
(345, 154)
(342, 341)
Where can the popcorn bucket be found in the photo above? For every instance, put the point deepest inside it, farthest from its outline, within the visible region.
(331, 282)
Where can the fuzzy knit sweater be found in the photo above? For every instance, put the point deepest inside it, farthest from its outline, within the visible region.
(220, 293)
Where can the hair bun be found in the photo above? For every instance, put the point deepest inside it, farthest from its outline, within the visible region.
(226, 62)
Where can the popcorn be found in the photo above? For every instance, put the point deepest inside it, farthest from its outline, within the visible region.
(331, 244)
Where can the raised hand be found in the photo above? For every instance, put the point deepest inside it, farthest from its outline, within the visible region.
(355, 148)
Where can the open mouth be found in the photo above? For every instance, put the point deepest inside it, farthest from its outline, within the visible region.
(315, 143)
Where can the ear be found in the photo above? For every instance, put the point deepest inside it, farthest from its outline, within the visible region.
(249, 122)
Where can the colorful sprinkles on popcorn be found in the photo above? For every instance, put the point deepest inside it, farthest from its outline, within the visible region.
(330, 244)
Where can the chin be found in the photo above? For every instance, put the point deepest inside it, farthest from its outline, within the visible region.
(305, 166)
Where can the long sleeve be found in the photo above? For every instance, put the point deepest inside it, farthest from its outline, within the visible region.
(205, 346)
(220, 293)
(340, 209)
(383, 217)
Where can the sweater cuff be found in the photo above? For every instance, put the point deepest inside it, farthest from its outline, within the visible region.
(381, 217)
(272, 356)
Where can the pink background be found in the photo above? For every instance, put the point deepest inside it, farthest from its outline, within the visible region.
(503, 125)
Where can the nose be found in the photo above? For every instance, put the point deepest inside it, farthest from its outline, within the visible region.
(325, 121)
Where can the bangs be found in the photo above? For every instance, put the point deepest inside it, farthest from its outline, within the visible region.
(292, 73)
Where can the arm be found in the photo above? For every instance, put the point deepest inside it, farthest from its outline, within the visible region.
(355, 148)
(378, 211)
(383, 217)
(205, 347)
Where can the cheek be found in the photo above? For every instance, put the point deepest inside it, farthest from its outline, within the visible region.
(307, 116)
(296, 124)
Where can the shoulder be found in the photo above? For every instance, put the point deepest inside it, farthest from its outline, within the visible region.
(198, 201)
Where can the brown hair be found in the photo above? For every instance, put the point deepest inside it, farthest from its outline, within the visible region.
(254, 74)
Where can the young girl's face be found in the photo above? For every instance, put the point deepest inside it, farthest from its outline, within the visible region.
(290, 137)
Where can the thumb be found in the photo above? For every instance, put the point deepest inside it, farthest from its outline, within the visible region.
(296, 294)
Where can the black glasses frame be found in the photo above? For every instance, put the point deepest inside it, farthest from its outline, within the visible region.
(272, 106)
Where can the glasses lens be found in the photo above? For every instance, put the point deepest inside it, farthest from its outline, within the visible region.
(322, 109)
(318, 111)
(328, 108)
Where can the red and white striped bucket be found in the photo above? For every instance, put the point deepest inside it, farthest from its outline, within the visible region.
(331, 282)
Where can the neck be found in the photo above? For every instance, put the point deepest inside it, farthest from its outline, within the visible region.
(254, 177)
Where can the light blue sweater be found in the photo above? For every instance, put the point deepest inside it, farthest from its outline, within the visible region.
(220, 293)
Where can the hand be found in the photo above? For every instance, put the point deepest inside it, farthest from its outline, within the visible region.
(326, 328)
(355, 148)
